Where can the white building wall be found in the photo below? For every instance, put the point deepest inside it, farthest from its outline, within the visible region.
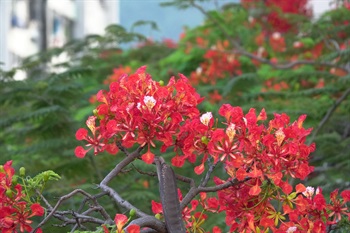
(86, 16)
(5, 21)
(320, 6)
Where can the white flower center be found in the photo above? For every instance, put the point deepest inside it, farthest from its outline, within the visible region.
(309, 192)
(291, 229)
(149, 101)
(205, 118)
(230, 131)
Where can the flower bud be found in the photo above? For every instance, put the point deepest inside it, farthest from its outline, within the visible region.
(22, 171)
(14, 180)
(158, 216)
(205, 140)
(95, 112)
(132, 212)
(9, 193)
(2, 168)
(161, 83)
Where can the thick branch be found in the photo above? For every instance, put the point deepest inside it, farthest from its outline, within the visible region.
(151, 222)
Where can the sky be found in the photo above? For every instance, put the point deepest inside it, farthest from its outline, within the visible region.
(170, 20)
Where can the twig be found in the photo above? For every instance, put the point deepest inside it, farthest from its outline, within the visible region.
(329, 113)
(59, 202)
(111, 192)
(184, 179)
(206, 178)
(104, 213)
(194, 191)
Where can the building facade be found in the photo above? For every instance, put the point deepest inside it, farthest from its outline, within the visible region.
(30, 26)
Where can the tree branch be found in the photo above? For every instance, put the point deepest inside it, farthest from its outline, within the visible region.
(111, 192)
(206, 178)
(329, 113)
(195, 191)
(151, 222)
(68, 196)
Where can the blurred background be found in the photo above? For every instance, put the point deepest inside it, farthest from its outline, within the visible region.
(30, 26)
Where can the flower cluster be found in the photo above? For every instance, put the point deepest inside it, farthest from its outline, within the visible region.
(15, 212)
(259, 156)
(301, 211)
(139, 110)
(218, 63)
(277, 11)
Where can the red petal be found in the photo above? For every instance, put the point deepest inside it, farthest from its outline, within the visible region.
(286, 187)
(255, 190)
(255, 172)
(81, 134)
(80, 152)
(262, 116)
(213, 203)
(345, 195)
(199, 169)
(148, 157)
(112, 148)
(133, 229)
(216, 229)
(241, 174)
(120, 221)
(156, 207)
(178, 161)
(105, 229)
(37, 209)
(300, 188)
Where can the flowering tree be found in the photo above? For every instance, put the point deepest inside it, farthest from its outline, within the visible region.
(260, 162)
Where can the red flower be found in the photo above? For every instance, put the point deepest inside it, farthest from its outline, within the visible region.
(120, 221)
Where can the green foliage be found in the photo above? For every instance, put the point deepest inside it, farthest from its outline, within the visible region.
(37, 184)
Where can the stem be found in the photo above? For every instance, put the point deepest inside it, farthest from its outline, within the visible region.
(206, 178)
(194, 191)
(329, 113)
